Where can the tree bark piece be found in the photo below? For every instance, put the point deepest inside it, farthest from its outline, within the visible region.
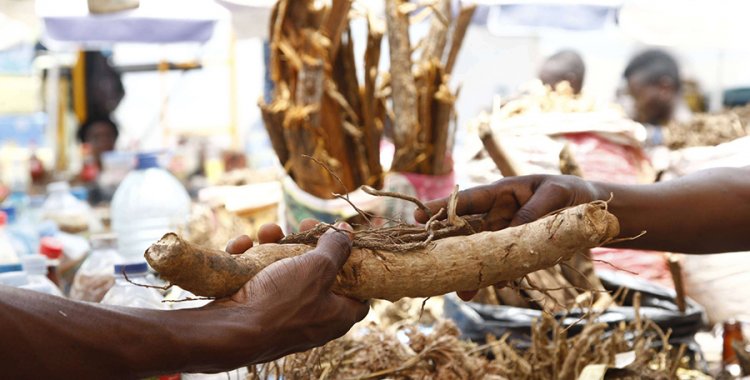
(404, 91)
(498, 155)
(438, 34)
(457, 37)
(373, 131)
(445, 265)
(675, 269)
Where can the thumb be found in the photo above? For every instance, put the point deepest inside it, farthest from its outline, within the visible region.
(332, 251)
(545, 200)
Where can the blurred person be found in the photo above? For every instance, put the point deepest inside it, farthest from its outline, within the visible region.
(287, 307)
(100, 133)
(654, 84)
(565, 65)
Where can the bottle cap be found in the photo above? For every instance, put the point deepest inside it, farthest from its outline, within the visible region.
(147, 161)
(132, 268)
(58, 186)
(10, 215)
(3, 218)
(50, 247)
(34, 264)
(15, 267)
(80, 192)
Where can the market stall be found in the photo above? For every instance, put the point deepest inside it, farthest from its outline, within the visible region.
(540, 270)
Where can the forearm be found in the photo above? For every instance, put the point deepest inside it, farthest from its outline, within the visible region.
(51, 337)
(705, 212)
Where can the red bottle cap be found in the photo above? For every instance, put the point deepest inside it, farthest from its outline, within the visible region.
(50, 247)
(3, 218)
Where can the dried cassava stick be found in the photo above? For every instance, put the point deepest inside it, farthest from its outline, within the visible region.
(445, 265)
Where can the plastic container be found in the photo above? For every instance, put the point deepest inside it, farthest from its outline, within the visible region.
(70, 214)
(52, 250)
(96, 275)
(35, 267)
(125, 293)
(8, 253)
(148, 203)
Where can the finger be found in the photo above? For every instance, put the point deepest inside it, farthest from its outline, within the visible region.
(546, 199)
(501, 284)
(270, 233)
(307, 224)
(501, 212)
(239, 245)
(358, 309)
(466, 295)
(332, 250)
(477, 200)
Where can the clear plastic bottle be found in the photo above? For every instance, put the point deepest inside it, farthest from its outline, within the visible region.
(35, 267)
(61, 207)
(13, 275)
(8, 253)
(148, 203)
(127, 293)
(96, 275)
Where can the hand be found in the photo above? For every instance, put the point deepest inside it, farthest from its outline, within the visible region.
(297, 309)
(516, 200)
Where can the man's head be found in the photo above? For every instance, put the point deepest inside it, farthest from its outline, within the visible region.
(565, 65)
(100, 133)
(654, 83)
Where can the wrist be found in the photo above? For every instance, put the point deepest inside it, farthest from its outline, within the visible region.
(218, 337)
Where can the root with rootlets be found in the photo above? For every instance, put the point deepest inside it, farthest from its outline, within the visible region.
(431, 268)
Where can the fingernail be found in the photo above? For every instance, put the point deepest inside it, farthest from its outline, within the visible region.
(344, 226)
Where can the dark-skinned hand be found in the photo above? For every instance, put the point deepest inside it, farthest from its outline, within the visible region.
(294, 294)
(514, 201)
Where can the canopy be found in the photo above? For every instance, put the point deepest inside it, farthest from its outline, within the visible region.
(687, 23)
(155, 21)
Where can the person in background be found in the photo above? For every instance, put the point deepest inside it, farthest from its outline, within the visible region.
(654, 84)
(100, 133)
(565, 65)
(287, 307)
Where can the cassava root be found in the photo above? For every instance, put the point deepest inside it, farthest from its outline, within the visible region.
(442, 266)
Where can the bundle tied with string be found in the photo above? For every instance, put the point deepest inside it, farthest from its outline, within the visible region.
(402, 260)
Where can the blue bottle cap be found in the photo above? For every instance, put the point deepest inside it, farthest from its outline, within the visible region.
(80, 192)
(10, 213)
(147, 161)
(5, 268)
(132, 268)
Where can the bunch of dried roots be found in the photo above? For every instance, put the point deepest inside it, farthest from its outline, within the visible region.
(639, 349)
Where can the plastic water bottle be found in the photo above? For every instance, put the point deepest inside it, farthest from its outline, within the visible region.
(35, 267)
(61, 207)
(148, 203)
(7, 252)
(127, 293)
(96, 275)
(13, 275)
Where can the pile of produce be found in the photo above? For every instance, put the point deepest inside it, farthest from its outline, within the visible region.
(539, 98)
(319, 109)
(709, 129)
(408, 350)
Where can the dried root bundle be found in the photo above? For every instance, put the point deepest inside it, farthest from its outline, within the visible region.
(436, 267)
(374, 351)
